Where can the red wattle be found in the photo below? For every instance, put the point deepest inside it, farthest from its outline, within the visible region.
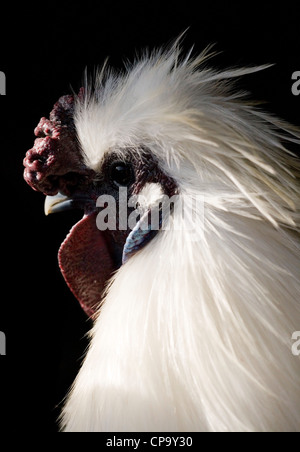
(86, 263)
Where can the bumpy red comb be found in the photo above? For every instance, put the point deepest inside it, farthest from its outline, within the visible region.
(55, 161)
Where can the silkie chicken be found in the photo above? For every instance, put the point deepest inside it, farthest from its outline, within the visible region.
(193, 326)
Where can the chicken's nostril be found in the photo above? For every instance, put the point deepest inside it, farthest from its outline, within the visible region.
(69, 182)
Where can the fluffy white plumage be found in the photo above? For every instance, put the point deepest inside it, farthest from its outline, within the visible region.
(196, 335)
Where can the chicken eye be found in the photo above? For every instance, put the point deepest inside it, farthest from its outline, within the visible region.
(122, 174)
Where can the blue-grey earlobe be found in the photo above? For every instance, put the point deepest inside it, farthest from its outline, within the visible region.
(141, 234)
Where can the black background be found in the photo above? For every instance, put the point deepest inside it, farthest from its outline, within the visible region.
(44, 54)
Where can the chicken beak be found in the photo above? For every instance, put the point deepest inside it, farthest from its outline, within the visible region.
(57, 203)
